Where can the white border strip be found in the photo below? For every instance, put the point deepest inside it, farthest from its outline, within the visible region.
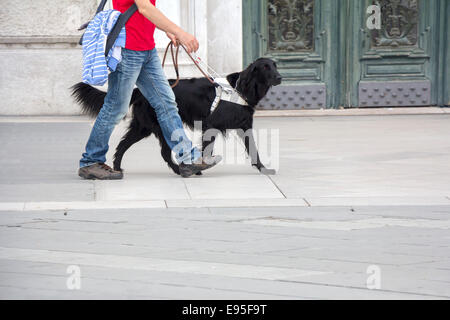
(353, 112)
(80, 205)
(266, 113)
(228, 203)
(160, 265)
(236, 203)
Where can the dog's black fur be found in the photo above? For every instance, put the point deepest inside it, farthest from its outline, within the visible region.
(194, 98)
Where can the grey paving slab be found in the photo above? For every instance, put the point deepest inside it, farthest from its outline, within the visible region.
(367, 223)
(41, 152)
(142, 187)
(119, 289)
(12, 206)
(233, 187)
(377, 201)
(207, 250)
(436, 264)
(408, 211)
(141, 284)
(350, 193)
(306, 213)
(369, 157)
(387, 156)
(56, 192)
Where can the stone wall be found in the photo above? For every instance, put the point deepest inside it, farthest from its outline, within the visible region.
(225, 35)
(43, 18)
(40, 58)
(39, 55)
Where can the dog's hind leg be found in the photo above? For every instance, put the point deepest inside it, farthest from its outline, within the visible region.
(166, 153)
(250, 146)
(133, 135)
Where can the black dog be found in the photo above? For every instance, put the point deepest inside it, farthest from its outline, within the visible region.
(194, 98)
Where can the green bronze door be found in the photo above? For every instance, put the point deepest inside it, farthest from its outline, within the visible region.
(444, 55)
(330, 56)
(395, 65)
(297, 34)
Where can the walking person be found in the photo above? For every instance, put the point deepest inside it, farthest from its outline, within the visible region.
(141, 66)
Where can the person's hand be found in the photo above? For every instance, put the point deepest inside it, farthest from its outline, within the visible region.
(172, 38)
(188, 40)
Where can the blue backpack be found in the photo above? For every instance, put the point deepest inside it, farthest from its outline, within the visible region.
(121, 21)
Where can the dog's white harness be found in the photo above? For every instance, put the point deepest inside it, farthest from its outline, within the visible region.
(225, 92)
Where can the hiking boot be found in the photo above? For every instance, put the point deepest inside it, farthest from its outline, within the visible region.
(187, 170)
(99, 171)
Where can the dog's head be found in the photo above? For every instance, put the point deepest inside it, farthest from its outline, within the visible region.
(254, 82)
(266, 71)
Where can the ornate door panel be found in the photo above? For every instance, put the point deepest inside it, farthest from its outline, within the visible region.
(296, 34)
(329, 58)
(444, 60)
(395, 64)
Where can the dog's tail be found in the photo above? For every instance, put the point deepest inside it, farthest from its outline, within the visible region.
(90, 99)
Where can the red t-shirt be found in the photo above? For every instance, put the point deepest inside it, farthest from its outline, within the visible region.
(139, 29)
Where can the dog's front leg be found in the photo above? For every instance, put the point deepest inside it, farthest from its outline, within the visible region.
(208, 140)
(250, 146)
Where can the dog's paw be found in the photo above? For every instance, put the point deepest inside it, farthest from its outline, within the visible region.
(268, 172)
(199, 173)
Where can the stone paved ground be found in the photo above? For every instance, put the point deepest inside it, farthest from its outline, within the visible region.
(352, 195)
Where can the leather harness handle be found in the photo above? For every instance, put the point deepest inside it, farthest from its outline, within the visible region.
(175, 62)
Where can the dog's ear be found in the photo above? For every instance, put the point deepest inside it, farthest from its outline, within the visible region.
(233, 78)
(252, 68)
(248, 74)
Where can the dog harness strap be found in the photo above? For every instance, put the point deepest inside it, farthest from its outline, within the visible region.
(225, 92)
(217, 99)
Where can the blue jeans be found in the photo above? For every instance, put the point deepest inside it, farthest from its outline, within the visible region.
(142, 68)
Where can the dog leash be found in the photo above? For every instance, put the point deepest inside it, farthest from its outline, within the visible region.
(224, 91)
(197, 61)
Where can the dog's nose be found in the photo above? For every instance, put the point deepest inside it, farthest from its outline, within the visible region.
(278, 79)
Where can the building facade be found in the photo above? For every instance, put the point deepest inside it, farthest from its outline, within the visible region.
(327, 53)
(40, 57)
(331, 54)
